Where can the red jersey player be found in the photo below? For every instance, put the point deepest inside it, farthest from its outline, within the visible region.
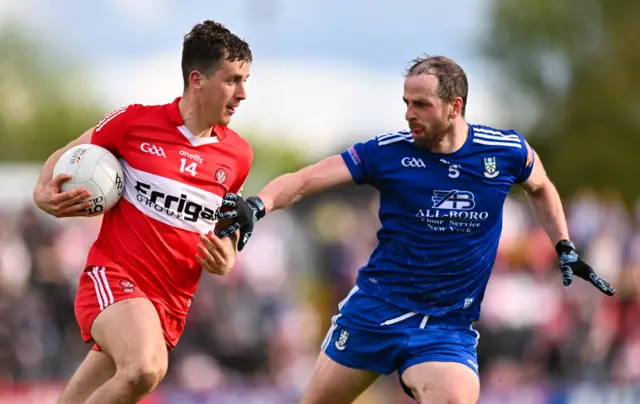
(179, 160)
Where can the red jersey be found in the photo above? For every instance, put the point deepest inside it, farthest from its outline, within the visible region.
(174, 184)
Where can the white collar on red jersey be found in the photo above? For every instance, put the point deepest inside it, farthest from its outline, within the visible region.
(173, 112)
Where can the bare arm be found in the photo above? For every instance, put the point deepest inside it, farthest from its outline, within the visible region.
(290, 188)
(546, 202)
(548, 209)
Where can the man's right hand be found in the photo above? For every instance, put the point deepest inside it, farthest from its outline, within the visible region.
(50, 199)
(244, 212)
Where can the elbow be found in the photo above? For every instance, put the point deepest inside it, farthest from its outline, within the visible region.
(537, 190)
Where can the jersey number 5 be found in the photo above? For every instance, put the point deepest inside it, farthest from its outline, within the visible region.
(190, 168)
(453, 171)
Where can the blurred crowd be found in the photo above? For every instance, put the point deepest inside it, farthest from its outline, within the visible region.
(263, 323)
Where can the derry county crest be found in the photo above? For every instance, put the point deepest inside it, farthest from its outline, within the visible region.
(341, 342)
(490, 167)
(221, 175)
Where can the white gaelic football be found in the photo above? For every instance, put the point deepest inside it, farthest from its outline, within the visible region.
(93, 167)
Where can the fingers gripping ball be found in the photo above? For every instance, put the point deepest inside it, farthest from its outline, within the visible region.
(96, 169)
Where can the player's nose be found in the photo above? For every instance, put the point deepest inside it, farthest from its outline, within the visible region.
(409, 115)
(241, 92)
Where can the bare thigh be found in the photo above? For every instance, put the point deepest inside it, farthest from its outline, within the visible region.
(129, 331)
(442, 383)
(333, 383)
(93, 372)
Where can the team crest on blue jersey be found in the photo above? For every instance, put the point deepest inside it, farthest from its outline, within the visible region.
(342, 340)
(490, 167)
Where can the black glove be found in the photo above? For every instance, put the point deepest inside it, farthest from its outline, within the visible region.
(571, 264)
(246, 213)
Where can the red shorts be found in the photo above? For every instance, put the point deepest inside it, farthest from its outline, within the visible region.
(101, 287)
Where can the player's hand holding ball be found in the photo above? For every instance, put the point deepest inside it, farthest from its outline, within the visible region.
(571, 264)
(215, 256)
(51, 199)
(87, 181)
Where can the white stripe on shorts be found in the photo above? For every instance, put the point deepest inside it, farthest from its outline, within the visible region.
(103, 291)
(335, 318)
(106, 285)
(327, 337)
(95, 285)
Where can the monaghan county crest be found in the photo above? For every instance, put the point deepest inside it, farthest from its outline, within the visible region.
(490, 167)
(342, 340)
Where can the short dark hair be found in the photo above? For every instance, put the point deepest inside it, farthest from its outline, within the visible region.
(206, 45)
(452, 80)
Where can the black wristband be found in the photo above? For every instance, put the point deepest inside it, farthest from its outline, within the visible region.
(565, 246)
(259, 205)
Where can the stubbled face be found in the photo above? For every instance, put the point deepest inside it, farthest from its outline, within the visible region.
(221, 93)
(427, 114)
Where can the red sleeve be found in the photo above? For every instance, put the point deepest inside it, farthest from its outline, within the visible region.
(244, 166)
(110, 131)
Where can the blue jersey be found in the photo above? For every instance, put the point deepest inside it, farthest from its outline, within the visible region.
(441, 217)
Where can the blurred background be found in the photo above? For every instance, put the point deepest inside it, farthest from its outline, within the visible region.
(327, 74)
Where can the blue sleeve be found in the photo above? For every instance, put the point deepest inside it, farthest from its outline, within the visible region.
(527, 161)
(360, 160)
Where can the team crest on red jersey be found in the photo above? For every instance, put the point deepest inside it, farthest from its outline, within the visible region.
(127, 287)
(221, 175)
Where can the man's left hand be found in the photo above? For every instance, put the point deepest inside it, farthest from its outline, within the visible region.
(571, 264)
(216, 256)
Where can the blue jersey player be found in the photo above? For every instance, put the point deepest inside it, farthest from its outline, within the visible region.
(442, 186)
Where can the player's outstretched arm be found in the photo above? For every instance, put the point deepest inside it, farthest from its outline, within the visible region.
(281, 192)
(547, 207)
(290, 188)
(46, 193)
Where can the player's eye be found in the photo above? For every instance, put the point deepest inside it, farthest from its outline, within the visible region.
(236, 80)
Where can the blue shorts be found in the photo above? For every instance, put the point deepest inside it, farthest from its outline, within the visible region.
(370, 334)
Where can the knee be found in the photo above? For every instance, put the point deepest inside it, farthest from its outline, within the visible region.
(143, 377)
(425, 394)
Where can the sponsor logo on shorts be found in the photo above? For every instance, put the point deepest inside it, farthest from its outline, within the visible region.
(341, 342)
(127, 287)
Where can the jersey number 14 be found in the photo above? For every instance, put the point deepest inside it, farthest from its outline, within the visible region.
(190, 168)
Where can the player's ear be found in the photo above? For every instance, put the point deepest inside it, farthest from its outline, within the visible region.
(196, 79)
(456, 108)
